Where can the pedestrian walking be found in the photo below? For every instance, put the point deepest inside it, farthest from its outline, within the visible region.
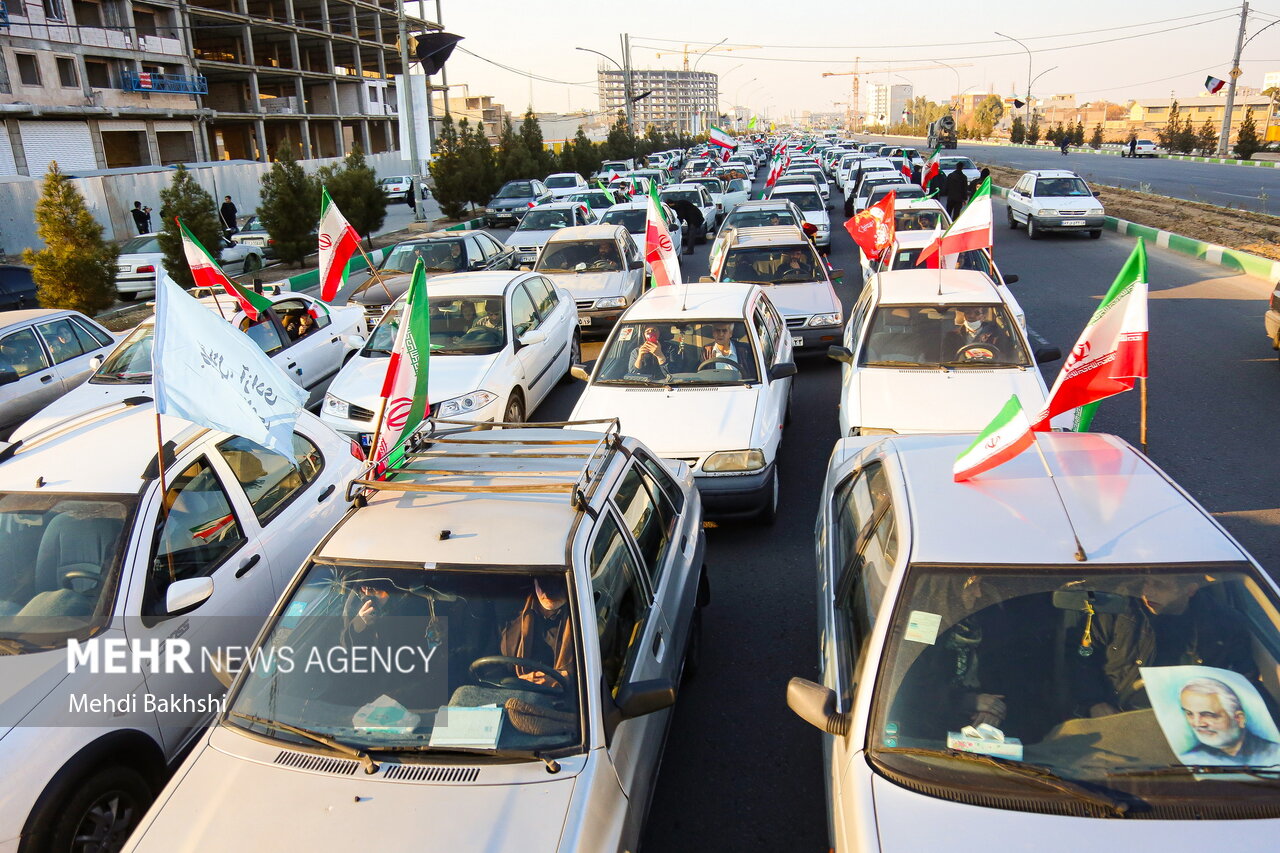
(141, 218)
(228, 214)
(957, 191)
(1133, 146)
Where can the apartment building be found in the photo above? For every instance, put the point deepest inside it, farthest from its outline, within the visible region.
(683, 101)
(1148, 117)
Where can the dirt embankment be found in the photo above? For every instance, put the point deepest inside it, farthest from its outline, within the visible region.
(1236, 229)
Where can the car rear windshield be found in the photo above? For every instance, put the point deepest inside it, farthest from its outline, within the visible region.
(916, 220)
(950, 335)
(140, 246)
(561, 182)
(678, 352)
(807, 201)
(460, 325)
(795, 264)
(760, 218)
(682, 195)
(520, 189)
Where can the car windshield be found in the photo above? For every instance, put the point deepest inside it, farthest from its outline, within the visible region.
(580, 256)
(794, 264)
(950, 335)
(60, 565)
(1145, 142)
(389, 181)
(806, 201)
(545, 220)
(678, 352)
(460, 325)
(632, 219)
(437, 256)
(916, 220)
(516, 189)
(1118, 677)
(140, 246)
(1061, 188)
(418, 660)
(871, 183)
(560, 182)
(759, 218)
(129, 362)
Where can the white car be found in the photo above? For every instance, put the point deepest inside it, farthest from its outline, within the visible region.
(395, 186)
(537, 591)
(632, 216)
(983, 655)
(746, 161)
(602, 269)
(91, 562)
(812, 207)
(699, 197)
(721, 358)
(1054, 200)
(310, 352)
(819, 178)
(934, 351)
(1142, 148)
(726, 194)
(141, 260)
(871, 180)
(947, 165)
(562, 184)
(499, 343)
(540, 223)
(906, 250)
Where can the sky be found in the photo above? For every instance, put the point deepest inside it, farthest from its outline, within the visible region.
(1095, 49)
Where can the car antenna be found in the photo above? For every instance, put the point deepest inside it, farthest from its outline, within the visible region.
(1080, 554)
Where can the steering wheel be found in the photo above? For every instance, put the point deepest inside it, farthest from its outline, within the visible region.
(480, 664)
(792, 272)
(977, 351)
(720, 359)
(94, 579)
(601, 264)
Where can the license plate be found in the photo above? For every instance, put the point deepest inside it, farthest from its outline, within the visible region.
(584, 321)
(1073, 222)
(797, 342)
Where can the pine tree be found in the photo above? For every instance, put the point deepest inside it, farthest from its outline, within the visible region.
(586, 154)
(1207, 138)
(446, 171)
(514, 162)
(1017, 131)
(531, 136)
(619, 145)
(1077, 135)
(76, 269)
(1033, 130)
(1095, 139)
(1247, 141)
(1168, 135)
(475, 163)
(354, 188)
(290, 208)
(186, 200)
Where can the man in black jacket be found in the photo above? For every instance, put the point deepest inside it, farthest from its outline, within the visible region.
(956, 190)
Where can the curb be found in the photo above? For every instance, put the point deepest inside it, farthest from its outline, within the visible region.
(1232, 259)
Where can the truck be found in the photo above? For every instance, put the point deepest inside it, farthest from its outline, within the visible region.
(942, 132)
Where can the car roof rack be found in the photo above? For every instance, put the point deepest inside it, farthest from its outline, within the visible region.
(486, 452)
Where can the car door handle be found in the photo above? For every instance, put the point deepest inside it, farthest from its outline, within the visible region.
(325, 494)
(47, 378)
(657, 645)
(292, 365)
(334, 340)
(247, 565)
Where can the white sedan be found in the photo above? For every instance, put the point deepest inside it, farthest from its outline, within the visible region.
(702, 373)
(499, 343)
(141, 260)
(306, 339)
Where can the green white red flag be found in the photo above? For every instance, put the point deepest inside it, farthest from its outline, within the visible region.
(404, 389)
(338, 242)
(932, 167)
(1002, 439)
(722, 138)
(1111, 354)
(659, 252)
(206, 273)
(971, 230)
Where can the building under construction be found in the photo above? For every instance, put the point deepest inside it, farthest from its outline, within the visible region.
(681, 101)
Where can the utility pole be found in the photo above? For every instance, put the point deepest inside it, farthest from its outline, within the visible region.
(415, 167)
(1224, 138)
(626, 83)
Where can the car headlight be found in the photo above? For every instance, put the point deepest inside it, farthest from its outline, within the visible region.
(612, 302)
(1046, 212)
(336, 408)
(734, 460)
(463, 404)
(825, 319)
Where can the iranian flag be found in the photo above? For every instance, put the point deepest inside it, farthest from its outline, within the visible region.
(971, 230)
(1004, 438)
(658, 250)
(1111, 353)
(206, 273)
(721, 138)
(338, 242)
(932, 167)
(404, 389)
(1213, 85)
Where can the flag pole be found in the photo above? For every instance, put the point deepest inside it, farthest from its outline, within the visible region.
(373, 270)
(1142, 417)
(377, 431)
(1080, 554)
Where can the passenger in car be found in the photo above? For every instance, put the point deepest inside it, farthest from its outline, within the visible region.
(657, 355)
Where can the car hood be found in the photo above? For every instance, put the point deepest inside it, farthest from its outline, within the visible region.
(27, 679)
(591, 285)
(83, 398)
(709, 419)
(910, 400)
(223, 801)
(360, 379)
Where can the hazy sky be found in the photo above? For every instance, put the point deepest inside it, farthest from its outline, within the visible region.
(1102, 49)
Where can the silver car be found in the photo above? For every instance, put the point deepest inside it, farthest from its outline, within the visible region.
(44, 353)
(601, 266)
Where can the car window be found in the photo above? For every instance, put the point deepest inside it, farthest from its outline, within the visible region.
(488, 245)
(474, 252)
(296, 318)
(83, 328)
(271, 481)
(773, 321)
(622, 603)
(544, 296)
(21, 352)
(196, 532)
(263, 333)
(524, 317)
(61, 340)
(767, 340)
(663, 477)
(651, 521)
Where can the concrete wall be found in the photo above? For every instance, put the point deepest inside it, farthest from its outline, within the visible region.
(111, 197)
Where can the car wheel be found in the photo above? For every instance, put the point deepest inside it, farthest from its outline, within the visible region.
(575, 356)
(514, 413)
(127, 297)
(101, 812)
(252, 263)
(1095, 234)
(769, 512)
(1013, 223)
(1032, 232)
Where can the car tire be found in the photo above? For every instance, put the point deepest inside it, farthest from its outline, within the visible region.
(769, 512)
(575, 356)
(1095, 234)
(1013, 223)
(252, 263)
(101, 811)
(1032, 232)
(127, 297)
(514, 413)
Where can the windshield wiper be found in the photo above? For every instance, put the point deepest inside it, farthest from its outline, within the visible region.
(553, 766)
(895, 364)
(983, 364)
(1027, 771)
(370, 766)
(1270, 773)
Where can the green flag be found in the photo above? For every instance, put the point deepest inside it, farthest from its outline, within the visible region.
(751, 125)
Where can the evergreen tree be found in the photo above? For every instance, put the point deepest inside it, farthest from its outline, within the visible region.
(186, 200)
(77, 268)
(1033, 130)
(1168, 135)
(1017, 131)
(514, 163)
(354, 188)
(290, 208)
(1207, 138)
(1077, 135)
(619, 145)
(476, 163)
(586, 154)
(1247, 141)
(1095, 138)
(531, 136)
(446, 171)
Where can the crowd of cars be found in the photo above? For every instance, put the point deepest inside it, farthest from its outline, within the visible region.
(545, 583)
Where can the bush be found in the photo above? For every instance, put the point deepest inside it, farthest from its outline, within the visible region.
(290, 209)
(186, 200)
(77, 268)
(354, 188)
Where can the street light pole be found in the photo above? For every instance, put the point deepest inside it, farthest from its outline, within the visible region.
(1224, 138)
(697, 129)
(1028, 50)
(626, 79)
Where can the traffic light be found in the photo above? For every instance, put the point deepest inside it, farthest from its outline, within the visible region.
(433, 50)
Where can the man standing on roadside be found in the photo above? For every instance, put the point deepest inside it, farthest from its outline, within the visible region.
(228, 213)
(141, 218)
(1133, 146)
(956, 190)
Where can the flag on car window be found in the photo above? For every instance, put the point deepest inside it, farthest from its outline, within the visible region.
(206, 273)
(1111, 354)
(873, 229)
(1213, 85)
(338, 242)
(404, 388)
(971, 230)
(1002, 439)
(659, 252)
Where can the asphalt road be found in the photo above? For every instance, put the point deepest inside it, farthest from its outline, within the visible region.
(1242, 187)
(741, 772)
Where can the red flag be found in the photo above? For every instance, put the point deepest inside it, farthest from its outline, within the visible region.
(873, 229)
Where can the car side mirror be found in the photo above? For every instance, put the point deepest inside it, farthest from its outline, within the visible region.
(816, 705)
(579, 371)
(1047, 355)
(835, 273)
(186, 595)
(354, 341)
(782, 370)
(840, 353)
(8, 376)
(96, 362)
(638, 698)
(1012, 278)
(533, 336)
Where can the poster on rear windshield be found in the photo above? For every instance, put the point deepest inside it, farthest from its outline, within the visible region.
(1212, 717)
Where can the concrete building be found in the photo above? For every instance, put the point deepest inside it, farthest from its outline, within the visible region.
(479, 108)
(1148, 117)
(99, 84)
(887, 103)
(683, 101)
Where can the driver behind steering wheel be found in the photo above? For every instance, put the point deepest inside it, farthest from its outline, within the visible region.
(722, 346)
(606, 258)
(797, 265)
(541, 632)
(975, 326)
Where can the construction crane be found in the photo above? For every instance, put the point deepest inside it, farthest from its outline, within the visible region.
(853, 115)
(716, 49)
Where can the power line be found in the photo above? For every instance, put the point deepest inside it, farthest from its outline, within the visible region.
(529, 74)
